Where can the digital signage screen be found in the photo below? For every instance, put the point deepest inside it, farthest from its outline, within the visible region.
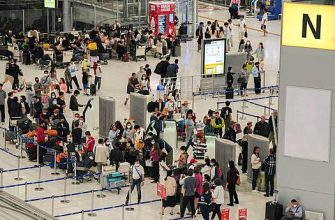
(213, 56)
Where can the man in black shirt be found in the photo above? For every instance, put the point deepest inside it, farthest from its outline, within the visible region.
(262, 128)
(74, 105)
(77, 134)
(226, 115)
(230, 77)
(60, 102)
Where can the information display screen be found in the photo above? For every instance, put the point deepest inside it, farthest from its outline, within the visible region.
(213, 56)
(161, 24)
(49, 3)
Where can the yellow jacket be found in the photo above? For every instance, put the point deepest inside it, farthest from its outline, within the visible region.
(215, 125)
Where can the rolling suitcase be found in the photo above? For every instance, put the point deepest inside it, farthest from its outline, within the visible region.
(229, 93)
(125, 57)
(273, 211)
(177, 51)
(93, 89)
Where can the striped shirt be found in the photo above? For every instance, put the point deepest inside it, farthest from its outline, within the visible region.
(270, 165)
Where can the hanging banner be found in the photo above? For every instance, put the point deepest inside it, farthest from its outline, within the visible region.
(50, 3)
(242, 214)
(225, 214)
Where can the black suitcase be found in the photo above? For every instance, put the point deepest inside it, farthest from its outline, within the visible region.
(229, 93)
(26, 57)
(93, 89)
(273, 211)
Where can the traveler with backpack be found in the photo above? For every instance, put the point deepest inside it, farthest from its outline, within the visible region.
(233, 178)
(226, 114)
(216, 172)
(46, 82)
(217, 123)
(161, 68)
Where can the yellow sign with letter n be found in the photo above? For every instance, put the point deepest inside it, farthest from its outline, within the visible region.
(311, 26)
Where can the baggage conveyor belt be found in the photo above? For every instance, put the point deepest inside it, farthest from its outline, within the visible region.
(13, 208)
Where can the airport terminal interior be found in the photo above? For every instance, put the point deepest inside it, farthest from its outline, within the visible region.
(109, 47)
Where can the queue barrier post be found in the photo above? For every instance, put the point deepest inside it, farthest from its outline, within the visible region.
(25, 191)
(76, 181)
(101, 195)
(39, 188)
(55, 164)
(38, 155)
(64, 200)
(53, 205)
(18, 178)
(82, 215)
(1, 173)
(92, 213)
(122, 211)
(21, 149)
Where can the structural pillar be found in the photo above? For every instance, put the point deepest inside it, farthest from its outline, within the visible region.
(67, 26)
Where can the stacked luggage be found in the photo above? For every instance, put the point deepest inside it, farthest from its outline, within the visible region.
(112, 179)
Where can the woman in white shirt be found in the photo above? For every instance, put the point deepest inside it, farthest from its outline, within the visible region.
(163, 168)
(207, 168)
(145, 83)
(217, 198)
(255, 165)
(260, 52)
(264, 22)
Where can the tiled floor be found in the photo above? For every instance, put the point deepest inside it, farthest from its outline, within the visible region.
(115, 76)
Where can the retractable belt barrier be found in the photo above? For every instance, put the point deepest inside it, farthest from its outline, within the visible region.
(223, 92)
(74, 194)
(106, 208)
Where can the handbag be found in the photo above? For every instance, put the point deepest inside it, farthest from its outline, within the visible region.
(246, 34)
(240, 80)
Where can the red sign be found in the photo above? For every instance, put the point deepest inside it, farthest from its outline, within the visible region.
(242, 214)
(225, 214)
(161, 191)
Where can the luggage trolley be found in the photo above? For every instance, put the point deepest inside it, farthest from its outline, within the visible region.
(140, 53)
(112, 179)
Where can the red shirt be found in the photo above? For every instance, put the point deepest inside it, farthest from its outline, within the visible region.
(90, 142)
(40, 136)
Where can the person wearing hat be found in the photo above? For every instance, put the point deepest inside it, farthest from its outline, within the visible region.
(192, 163)
(171, 107)
(184, 108)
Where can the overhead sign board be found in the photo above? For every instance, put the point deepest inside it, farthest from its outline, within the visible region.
(309, 26)
(50, 3)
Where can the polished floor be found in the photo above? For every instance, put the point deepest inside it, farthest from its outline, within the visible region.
(114, 82)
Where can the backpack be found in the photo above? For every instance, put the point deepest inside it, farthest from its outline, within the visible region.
(44, 80)
(159, 68)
